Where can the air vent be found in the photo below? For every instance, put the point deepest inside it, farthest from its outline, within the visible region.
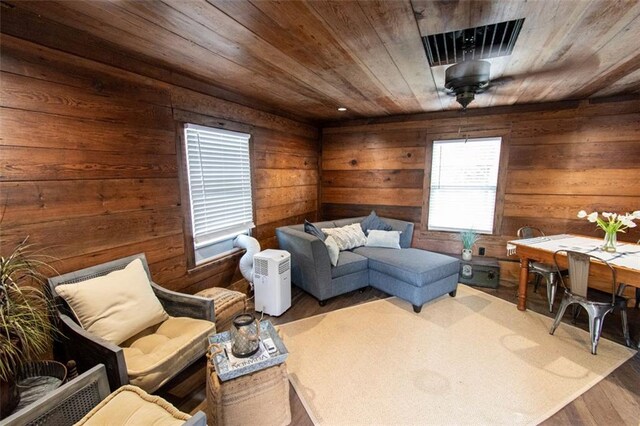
(261, 267)
(487, 41)
(283, 267)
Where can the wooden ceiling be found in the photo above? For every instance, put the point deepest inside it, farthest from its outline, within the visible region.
(306, 58)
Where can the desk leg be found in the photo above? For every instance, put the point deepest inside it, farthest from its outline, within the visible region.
(522, 285)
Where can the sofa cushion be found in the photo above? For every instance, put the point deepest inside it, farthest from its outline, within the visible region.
(347, 237)
(312, 229)
(414, 266)
(348, 263)
(158, 353)
(373, 222)
(115, 306)
(130, 405)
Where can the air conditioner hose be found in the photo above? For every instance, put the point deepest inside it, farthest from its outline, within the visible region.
(252, 246)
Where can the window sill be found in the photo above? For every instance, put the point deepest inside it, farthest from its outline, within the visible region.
(446, 235)
(222, 257)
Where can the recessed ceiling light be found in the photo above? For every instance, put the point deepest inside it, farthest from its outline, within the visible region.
(342, 109)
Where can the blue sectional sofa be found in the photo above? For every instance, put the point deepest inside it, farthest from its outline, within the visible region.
(414, 275)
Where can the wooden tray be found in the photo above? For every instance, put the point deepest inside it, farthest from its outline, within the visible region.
(225, 364)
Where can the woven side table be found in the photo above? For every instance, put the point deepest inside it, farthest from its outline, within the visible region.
(226, 304)
(260, 398)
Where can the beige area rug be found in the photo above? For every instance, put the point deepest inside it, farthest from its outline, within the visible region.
(472, 359)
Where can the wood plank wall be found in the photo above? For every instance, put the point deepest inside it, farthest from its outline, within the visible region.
(562, 158)
(89, 164)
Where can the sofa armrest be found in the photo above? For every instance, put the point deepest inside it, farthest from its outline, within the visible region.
(310, 263)
(89, 350)
(184, 305)
(403, 226)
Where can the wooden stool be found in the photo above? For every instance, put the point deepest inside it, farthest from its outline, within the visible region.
(226, 304)
(260, 398)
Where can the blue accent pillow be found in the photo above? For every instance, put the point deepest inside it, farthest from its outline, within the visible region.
(310, 228)
(374, 222)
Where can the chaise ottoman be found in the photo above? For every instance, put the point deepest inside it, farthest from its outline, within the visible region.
(415, 275)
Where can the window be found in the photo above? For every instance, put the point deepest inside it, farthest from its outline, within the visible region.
(464, 178)
(219, 188)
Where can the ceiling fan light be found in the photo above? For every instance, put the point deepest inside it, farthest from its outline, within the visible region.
(465, 98)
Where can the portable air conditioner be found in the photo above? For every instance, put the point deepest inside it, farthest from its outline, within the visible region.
(272, 281)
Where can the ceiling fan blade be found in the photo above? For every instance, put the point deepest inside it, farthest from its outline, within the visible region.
(591, 62)
(502, 81)
(446, 92)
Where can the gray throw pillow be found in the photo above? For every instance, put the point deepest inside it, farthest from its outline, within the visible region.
(310, 228)
(374, 222)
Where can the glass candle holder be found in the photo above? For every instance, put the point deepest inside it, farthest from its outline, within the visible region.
(245, 335)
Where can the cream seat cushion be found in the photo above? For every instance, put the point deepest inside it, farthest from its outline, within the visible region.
(130, 405)
(158, 353)
(115, 306)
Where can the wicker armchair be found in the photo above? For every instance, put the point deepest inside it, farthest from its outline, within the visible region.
(72, 401)
(89, 350)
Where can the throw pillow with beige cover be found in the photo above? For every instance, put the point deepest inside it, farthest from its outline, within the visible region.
(115, 306)
(347, 237)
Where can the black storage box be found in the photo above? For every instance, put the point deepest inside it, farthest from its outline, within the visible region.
(480, 271)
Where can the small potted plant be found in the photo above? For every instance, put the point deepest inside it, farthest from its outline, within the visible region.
(469, 238)
(25, 326)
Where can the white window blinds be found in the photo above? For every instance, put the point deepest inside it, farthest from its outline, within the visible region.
(219, 183)
(464, 178)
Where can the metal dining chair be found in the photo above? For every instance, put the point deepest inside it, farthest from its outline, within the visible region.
(542, 270)
(597, 304)
(621, 291)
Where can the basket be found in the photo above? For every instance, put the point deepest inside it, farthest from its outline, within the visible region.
(260, 398)
(38, 378)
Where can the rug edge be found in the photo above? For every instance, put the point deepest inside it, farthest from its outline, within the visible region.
(306, 406)
(573, 397)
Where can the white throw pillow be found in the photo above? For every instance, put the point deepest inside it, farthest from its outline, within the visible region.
(334, 251)
(387, 239)
(347, 237)
(115, 306)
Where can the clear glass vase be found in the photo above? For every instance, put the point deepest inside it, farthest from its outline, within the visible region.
(610, 241)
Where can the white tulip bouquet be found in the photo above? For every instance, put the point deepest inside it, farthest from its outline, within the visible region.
(611, 224)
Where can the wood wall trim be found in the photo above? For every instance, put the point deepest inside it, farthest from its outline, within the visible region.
(476, 118)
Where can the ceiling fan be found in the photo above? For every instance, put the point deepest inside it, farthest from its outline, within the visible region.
(466, 79)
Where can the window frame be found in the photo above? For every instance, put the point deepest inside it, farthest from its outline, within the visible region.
(501, 183)
(183, 177)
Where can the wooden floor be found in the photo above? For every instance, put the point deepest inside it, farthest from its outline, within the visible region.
(613, 401)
